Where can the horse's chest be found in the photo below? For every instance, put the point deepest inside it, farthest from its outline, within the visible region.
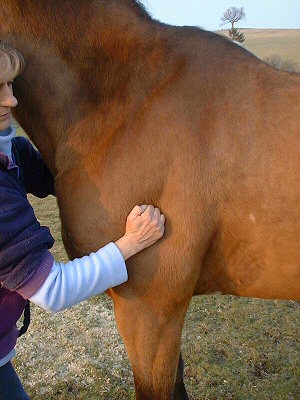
(90, 218)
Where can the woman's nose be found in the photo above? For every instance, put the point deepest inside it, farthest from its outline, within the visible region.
(7, 98)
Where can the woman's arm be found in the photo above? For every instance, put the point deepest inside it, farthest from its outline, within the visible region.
(72, 282)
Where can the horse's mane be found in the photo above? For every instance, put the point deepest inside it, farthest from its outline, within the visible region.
(139, 8)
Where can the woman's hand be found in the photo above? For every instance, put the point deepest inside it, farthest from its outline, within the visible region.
(144, 226)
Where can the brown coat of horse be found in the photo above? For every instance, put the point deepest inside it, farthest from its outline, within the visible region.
(126, 110)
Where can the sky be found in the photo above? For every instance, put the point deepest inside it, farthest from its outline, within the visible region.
(276, 14)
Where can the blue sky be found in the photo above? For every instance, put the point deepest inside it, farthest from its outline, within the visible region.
(280, 14)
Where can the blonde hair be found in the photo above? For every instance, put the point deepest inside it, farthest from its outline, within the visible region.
(11, 63)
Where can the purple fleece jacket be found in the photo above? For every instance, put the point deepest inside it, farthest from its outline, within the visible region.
(25, 261)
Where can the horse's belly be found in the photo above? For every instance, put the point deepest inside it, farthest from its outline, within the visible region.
(253, 259)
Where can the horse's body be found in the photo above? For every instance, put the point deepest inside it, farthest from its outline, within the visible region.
(126, 111)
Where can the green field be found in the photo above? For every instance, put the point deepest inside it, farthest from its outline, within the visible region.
(234, 349)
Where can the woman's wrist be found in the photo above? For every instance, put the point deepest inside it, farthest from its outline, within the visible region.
(126, 247)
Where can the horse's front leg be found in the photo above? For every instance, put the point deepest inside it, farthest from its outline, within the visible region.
(151, 331)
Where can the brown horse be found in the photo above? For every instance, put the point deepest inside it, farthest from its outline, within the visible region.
(127, 110)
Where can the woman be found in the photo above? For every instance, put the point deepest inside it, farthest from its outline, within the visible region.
(27, 268)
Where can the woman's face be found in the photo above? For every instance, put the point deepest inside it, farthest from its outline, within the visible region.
(7, 102)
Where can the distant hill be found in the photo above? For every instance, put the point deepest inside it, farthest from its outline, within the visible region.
(284, 43)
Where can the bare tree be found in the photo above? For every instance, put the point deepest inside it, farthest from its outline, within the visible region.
(233, 15)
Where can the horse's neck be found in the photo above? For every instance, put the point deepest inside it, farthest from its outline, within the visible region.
(74, 69)
(117, 27)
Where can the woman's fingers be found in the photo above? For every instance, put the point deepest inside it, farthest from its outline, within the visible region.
(137, 211)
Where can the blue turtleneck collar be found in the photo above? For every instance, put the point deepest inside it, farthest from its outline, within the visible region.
(6, 137)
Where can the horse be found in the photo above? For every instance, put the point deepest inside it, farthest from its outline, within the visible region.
(127, 110)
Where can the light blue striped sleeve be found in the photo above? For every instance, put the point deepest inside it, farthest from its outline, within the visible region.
(72, 282)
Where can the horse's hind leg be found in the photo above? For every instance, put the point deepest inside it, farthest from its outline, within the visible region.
(152, 336)
(180, 392)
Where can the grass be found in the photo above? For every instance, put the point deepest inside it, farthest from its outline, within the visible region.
(234, 349)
